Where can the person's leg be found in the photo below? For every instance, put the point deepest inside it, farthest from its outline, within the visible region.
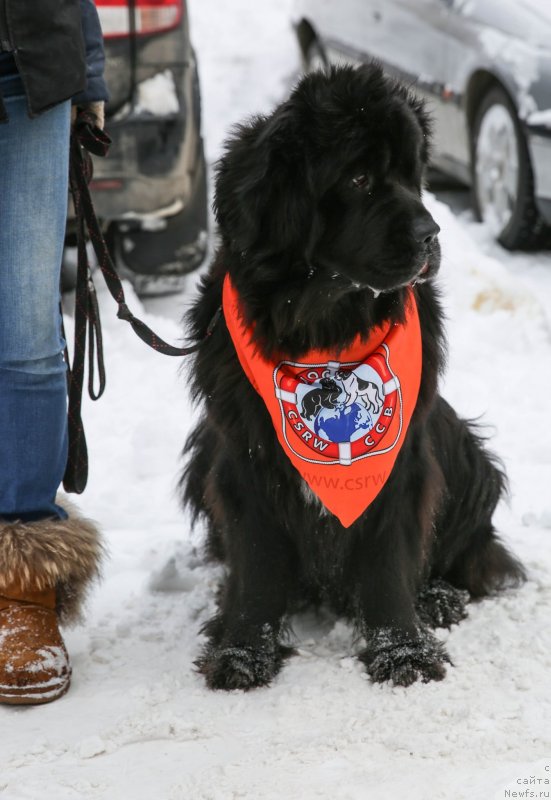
(49, 555)
(33, 207)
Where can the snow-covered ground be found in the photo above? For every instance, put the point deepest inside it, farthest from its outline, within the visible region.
(138, 722)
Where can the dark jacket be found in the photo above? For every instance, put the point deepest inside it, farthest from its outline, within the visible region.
(58, 49)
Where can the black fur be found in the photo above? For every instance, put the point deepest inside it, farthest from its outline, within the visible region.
(319, 208)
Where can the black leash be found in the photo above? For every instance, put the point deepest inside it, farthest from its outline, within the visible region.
(86, 138)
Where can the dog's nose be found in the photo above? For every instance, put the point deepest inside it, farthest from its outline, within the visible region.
(425, 229)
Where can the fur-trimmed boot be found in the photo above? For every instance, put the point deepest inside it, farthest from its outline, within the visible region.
(46, 568)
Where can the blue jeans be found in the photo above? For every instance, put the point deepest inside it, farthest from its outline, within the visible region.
(34, 164)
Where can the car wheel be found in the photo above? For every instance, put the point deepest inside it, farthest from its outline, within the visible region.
(502, 178)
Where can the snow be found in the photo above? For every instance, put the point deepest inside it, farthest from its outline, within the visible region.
(138, 721)
(157, 95)
(540, 118)
(540, 7)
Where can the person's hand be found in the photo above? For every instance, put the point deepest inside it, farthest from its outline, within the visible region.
(96, 108)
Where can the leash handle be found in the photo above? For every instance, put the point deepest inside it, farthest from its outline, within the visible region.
(83, 142)
(87, 322)
(87, 138)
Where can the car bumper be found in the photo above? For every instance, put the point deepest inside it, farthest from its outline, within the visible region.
(150, 166)
(139, 177)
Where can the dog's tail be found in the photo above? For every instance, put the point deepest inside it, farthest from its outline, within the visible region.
(486, 567)
(468, 552)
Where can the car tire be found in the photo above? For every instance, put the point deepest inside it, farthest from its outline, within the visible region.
(502, 178)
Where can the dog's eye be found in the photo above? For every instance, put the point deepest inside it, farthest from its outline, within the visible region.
(362, 182)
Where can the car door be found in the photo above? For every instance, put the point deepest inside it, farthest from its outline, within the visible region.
(463, 54)
(411, 38)
(413, 45)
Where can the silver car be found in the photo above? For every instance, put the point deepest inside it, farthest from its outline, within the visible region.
(485, 68)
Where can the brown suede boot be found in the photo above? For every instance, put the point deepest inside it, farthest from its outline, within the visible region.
(45, 569)
(34, 663)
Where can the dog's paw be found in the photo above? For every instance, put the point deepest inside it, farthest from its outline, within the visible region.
(441, 605)
(242, 666)
(403, 658)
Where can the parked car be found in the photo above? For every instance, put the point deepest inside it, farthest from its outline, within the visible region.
(485, 68)
(150, 191)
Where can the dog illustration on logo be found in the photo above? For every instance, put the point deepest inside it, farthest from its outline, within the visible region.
(323, 396)
(359, 391)
(341, 407)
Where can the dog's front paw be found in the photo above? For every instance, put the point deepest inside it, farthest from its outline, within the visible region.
(402, 658)
(242, 666)
(441, 605)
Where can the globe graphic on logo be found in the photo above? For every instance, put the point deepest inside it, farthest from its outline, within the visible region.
(339, 424)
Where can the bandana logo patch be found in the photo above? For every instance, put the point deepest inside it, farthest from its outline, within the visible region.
(342, 412)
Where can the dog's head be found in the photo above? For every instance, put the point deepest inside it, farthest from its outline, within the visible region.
(321, 200)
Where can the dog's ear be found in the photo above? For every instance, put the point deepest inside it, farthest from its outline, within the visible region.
(263, 189)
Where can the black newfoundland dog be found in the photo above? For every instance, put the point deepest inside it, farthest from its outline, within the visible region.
(325, 239)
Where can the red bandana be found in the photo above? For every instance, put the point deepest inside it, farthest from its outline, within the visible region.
(341, 422)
